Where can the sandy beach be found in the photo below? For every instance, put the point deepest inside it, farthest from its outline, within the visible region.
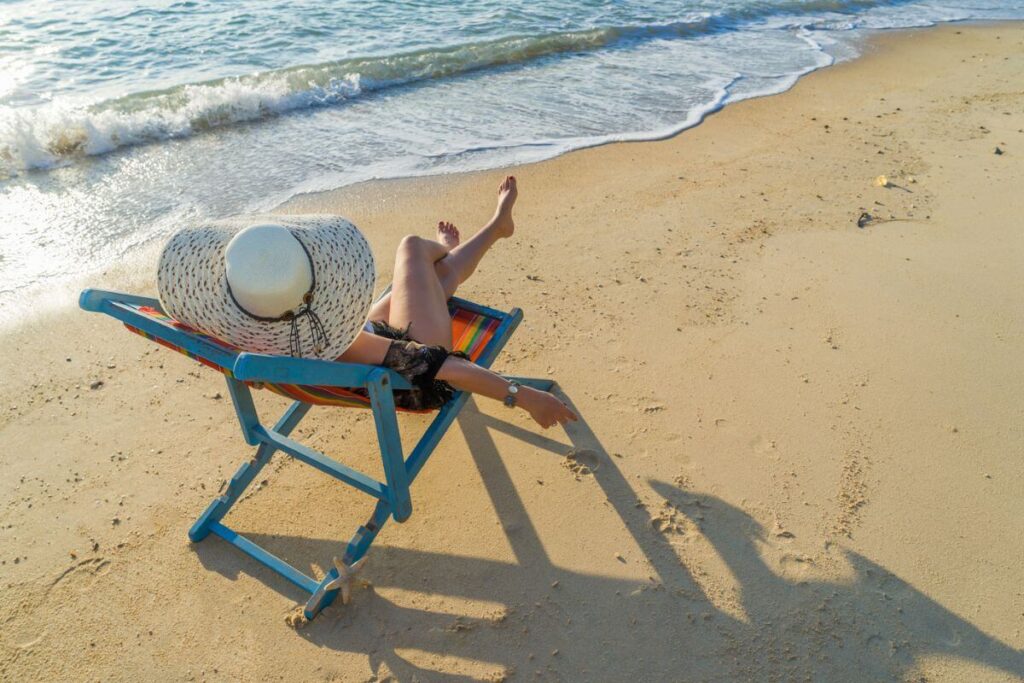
(799, 454)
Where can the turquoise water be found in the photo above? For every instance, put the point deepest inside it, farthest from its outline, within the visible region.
(121, 120)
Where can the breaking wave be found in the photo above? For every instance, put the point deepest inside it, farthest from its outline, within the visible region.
(53, 134)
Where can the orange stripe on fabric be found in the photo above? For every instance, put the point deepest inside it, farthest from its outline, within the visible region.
(471, 332)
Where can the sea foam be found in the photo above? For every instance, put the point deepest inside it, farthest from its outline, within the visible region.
(56, 133)
(117, 128)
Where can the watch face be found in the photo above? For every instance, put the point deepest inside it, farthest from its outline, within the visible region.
(513, 389)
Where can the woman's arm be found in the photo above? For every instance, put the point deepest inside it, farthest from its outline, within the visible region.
(368, 349)
(462, 374)
(466, 375)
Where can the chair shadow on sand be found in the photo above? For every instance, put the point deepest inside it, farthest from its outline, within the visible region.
(874, 627)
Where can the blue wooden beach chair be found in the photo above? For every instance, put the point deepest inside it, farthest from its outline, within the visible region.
(478, 331)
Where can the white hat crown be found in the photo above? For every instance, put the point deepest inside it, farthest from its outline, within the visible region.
(268, 270)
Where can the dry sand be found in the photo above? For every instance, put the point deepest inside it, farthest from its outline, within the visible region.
(802, 439)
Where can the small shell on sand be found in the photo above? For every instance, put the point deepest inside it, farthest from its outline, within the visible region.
(882, 181)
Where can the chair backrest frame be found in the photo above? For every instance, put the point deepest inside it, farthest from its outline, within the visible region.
(243, 366)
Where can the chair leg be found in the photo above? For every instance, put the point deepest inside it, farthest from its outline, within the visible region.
(390, 442)
(356, 550)
(366, 533)
(220, 506)
(246, 473)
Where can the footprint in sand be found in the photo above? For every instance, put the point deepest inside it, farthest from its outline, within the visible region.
(23, 634)
(760, 444)
(669, 521)
(81, 576)
(795, 566)
(581, 461)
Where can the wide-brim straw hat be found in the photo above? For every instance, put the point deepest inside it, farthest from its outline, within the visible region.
(277, 284)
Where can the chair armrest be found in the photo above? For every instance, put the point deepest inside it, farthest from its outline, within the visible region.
(94, 299)
(258, 367)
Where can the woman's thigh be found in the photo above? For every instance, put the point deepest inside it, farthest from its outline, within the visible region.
(417, 298)
(381, 309)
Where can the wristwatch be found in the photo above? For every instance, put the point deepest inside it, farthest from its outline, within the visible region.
(513, 393)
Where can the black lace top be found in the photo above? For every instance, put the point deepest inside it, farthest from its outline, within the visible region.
(419, 364)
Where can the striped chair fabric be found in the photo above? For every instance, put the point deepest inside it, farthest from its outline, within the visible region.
(471, 332)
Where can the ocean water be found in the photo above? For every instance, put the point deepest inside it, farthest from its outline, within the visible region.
(120, 121)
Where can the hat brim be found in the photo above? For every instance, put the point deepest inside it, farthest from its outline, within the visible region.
(193, 286)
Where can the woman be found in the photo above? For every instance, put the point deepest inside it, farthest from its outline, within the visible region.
(410, 330)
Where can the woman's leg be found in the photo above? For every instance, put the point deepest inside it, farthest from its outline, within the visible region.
(418, 301)
(460, 262)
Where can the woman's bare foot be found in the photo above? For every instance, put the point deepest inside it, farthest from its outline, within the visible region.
(507, 194)
(448, 235)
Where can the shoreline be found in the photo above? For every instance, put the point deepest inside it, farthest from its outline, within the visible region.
(52, 296)
(800, 432)
(869, 41)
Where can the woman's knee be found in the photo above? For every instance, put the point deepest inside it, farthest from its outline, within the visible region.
(412, 246)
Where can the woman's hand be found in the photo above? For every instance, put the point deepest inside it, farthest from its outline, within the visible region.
(466, 375)
(544, 407)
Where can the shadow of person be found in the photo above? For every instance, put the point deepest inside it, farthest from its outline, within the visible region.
(647, 619)
(875, 626)
(548, 619)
